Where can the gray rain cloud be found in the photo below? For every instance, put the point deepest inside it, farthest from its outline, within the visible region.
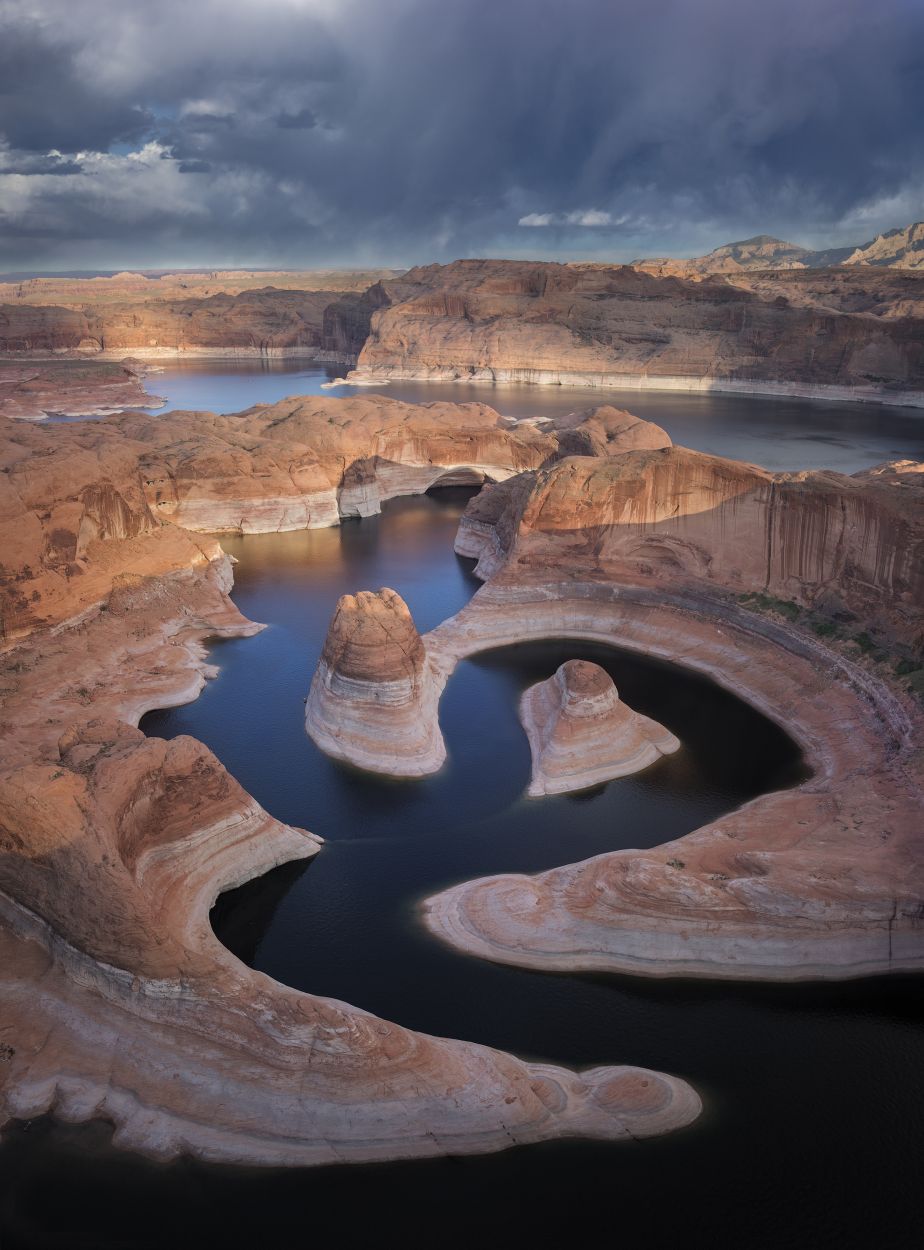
(300, 132)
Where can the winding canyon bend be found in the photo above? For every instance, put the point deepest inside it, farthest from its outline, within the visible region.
(595, 528)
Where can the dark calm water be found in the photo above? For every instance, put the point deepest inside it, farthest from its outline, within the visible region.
(779, 434)
(810, 1136)
(813, 1094)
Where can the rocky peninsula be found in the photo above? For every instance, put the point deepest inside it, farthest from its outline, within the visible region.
(36, 390)
(582, 735)
(742, 576)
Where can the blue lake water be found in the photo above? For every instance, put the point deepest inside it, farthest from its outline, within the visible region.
(778, 434)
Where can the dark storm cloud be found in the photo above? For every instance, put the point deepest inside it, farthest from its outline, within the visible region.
(404, 130)
(304, 119)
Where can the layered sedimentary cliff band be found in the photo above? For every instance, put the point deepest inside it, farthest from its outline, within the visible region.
(851, 331)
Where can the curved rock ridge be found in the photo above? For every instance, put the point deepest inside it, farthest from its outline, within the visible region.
(373, 700)
(848, 545)
(581, 734)
(117, 1000)
(825, 880)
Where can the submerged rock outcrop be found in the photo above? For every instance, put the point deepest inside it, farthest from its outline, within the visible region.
(581, 734)
(373, 700)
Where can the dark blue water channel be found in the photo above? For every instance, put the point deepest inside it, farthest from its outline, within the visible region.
(811, 1132)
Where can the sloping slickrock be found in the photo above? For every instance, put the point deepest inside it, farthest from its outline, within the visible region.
(69, 496)
(643, 550)
(373, 701)
(581, 734)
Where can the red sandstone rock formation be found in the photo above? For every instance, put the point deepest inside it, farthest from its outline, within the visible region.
(826, 880)
(678, 516)
(606, 325)
(116, 998)
(70, 495)
(582, 735)
(252, 323)
(31, 392)
(373, 699)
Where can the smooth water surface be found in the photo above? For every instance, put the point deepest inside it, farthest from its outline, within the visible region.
(812, 1093)
(779, 434)
(811, 1132)
(783, 435)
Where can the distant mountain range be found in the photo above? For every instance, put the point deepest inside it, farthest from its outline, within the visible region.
(896, 249)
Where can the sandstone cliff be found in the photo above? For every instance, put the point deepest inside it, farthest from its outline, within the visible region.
(837, 543)
(613, 325)
(81, 503)
(251, 323)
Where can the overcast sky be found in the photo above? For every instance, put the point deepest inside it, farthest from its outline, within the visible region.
(153, 133)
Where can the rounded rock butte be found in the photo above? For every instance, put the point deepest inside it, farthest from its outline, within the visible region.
(373, 700)
(582, 735)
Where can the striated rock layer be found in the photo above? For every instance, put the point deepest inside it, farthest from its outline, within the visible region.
(821, 539)
(373, 698)
(647, 550)
(80, 504)
(614, 326)
(582, 735)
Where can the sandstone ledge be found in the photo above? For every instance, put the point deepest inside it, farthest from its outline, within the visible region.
(380, 374)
